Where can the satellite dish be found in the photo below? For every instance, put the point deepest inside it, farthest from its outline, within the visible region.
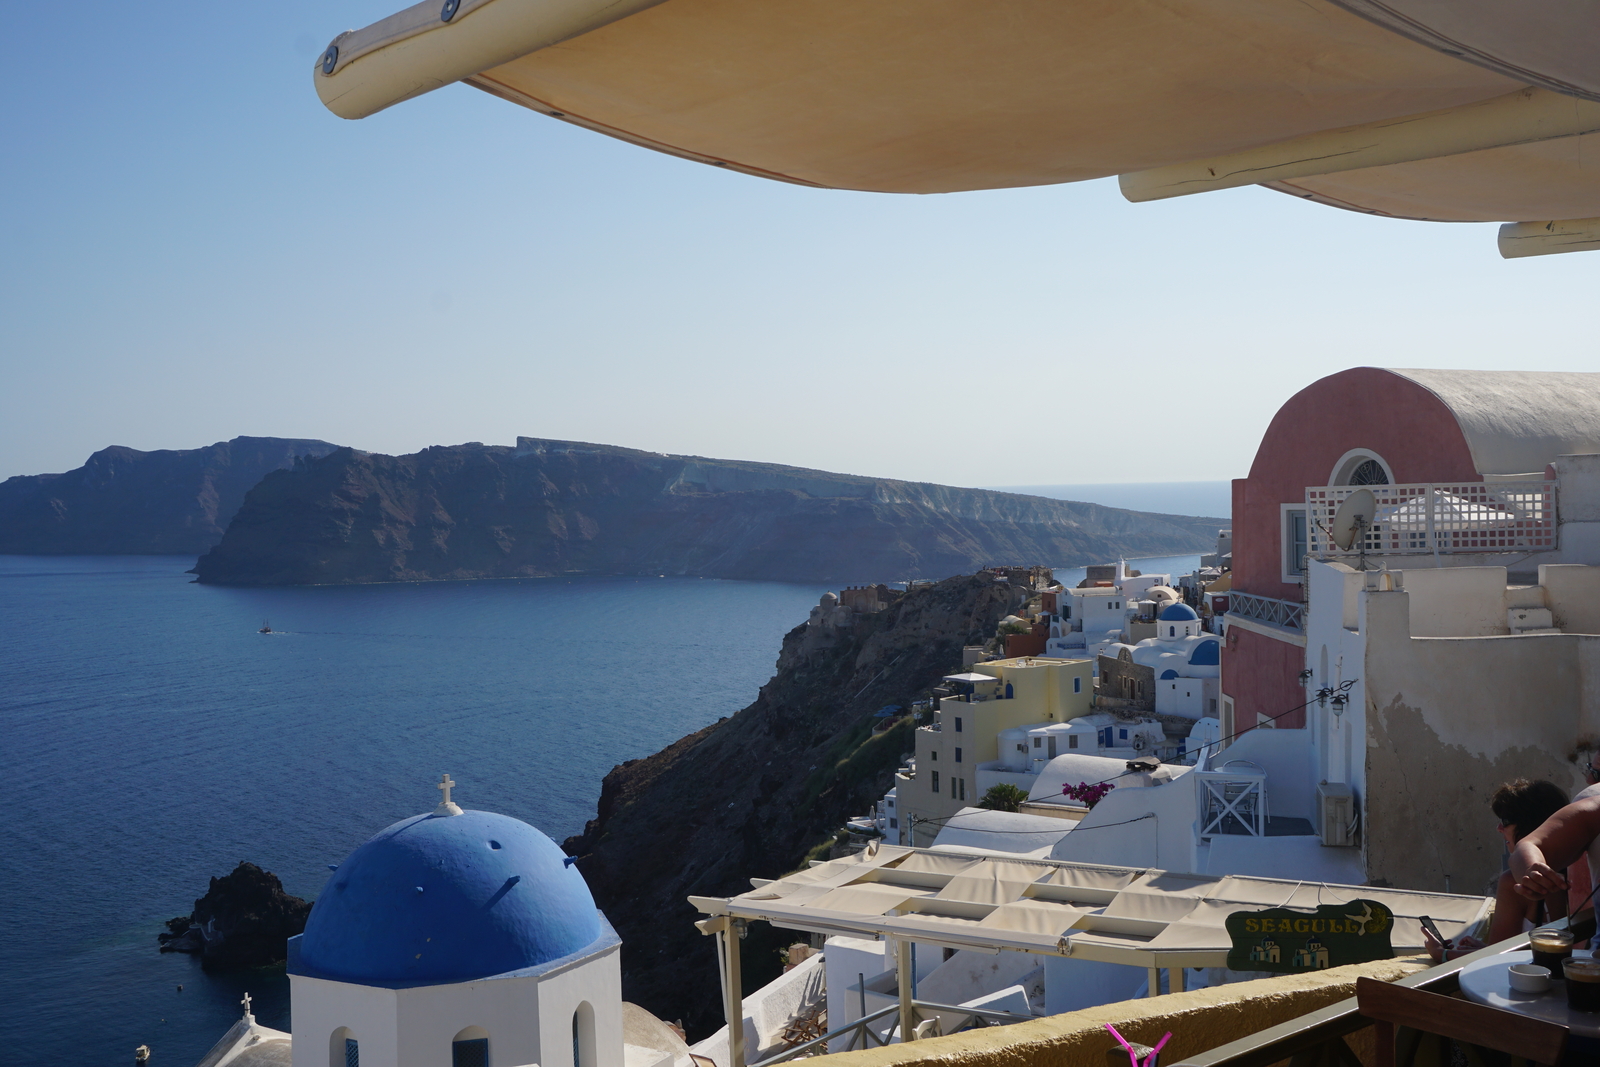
(1353, 515)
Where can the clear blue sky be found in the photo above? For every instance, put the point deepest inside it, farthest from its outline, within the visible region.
(194, 249)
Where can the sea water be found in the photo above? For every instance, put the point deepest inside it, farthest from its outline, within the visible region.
(150, 738)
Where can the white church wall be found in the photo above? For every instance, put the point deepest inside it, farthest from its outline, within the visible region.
(594, 985)
(319, 1007)
(1190, 697)
(432, 1017)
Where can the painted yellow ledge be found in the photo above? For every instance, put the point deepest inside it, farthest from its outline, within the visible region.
(1199, 1020)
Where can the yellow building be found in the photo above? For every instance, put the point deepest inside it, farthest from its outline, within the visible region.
(997, 695)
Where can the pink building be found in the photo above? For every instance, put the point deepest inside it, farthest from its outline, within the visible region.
(1466, 468)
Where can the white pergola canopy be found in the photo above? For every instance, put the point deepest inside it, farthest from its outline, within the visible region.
(1136, 917)
(1432, 109)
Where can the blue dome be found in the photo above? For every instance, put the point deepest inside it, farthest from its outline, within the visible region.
(1206, 654)
(1168, 674)
(447, 898)
(1176, 612)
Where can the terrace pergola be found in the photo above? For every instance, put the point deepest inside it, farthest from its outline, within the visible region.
(1137, 917)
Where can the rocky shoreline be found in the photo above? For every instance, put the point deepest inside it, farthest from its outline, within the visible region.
(245, 919)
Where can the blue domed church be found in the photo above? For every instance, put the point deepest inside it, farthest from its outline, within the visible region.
(459, 938)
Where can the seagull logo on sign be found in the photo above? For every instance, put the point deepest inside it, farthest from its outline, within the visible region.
(1363, 917)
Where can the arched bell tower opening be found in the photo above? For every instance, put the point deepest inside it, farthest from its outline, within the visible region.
(343, 1048)
(470, 1048)
(584, 1052)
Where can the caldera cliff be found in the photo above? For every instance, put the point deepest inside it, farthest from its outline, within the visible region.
(751, 795)
(168, 502)
(549, 508)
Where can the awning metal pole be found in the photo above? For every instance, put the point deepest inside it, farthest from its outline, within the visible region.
(1155, 982)
(903, 967)
(734, 993)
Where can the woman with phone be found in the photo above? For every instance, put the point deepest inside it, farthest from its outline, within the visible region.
(1521, 806)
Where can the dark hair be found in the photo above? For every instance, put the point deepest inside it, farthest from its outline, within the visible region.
(1524, 805)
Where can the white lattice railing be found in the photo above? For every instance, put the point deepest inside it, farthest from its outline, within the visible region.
(1285, 613)
(1478, 517)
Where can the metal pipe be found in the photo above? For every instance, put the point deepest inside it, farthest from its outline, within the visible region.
(908, 1014)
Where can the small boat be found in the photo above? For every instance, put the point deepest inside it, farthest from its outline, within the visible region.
(266, 627)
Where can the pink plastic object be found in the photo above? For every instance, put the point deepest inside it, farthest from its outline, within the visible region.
(1133, 1057)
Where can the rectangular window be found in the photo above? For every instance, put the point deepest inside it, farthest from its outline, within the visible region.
(958, 724)
(963, 782)
(473, 1053)
(1077, 685)
(1122, 735)
(352, 1053)
(1037, 741)
(1072, 740)
(1294, 542)
(935, 781)
(894, 824)
(952, 789)
(958, 755)
(933, 755)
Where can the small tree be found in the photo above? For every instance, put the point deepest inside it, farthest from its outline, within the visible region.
(1003, 797)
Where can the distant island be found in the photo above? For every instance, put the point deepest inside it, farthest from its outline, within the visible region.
(552, 508)
(169, 502)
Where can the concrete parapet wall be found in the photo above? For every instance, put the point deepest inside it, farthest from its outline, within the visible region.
(1199, 1020)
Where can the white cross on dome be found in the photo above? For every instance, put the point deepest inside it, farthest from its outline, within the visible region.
(446, 806)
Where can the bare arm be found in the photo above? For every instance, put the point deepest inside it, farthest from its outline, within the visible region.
(1540, 858)
(1510, 909)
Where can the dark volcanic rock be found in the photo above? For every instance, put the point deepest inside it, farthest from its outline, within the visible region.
(244, 920)
(127, 502)
(750, 795)
(558, 508)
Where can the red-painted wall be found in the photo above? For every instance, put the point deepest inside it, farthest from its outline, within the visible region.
(1414, 432)
(1262, 675)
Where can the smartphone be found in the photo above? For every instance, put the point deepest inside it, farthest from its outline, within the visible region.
(1428, 925)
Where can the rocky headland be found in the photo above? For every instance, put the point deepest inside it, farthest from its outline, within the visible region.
(548, 508)
(127, 502)
(753, 794)
(245, 919)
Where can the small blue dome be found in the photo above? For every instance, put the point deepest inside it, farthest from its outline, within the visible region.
(448, 898)
(1176, 612)
(1206, 654)
(1168, 674)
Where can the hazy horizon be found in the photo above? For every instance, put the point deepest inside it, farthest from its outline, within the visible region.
(194, 248)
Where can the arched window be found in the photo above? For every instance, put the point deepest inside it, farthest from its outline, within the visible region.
(1369, 472)
(1361, 467)
(470, 1048)
(343, 1049)
(1172, 631)
(583, 1040)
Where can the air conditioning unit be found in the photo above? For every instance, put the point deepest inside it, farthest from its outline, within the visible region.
(1336, 811)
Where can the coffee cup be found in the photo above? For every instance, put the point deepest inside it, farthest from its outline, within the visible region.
(1550, 947)
(1583, 983)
